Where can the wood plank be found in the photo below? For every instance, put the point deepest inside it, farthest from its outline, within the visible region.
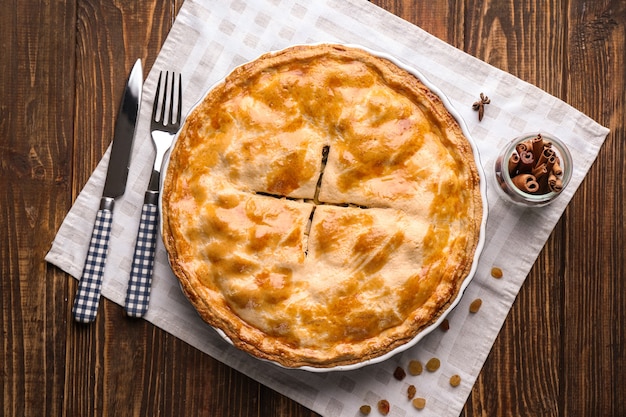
(594, 291)
(433, 17)
(36, 131)
(513, 36)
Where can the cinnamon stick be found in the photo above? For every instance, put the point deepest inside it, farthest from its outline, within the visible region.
(551, 179)
(550, 163)
(537, 147)
(540, 170)
(546, 154)
(557, 186)
(526, 161)
(556, 168)
(513, 163)
(526, 182)
(521, 147)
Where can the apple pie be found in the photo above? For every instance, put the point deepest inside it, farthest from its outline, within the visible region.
(321, 207)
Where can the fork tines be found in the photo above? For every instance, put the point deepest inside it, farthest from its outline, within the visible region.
(167, 100)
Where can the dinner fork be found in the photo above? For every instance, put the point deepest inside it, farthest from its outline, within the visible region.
(163, 128)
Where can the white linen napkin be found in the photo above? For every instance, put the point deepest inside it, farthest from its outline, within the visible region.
(210, 38)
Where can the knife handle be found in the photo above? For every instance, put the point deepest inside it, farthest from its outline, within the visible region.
(87, 298)
(138, 293)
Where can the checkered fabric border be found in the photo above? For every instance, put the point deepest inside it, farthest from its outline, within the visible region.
(138, 293)
(87, 298)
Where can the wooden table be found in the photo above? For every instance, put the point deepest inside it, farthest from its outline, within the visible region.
(562, 351)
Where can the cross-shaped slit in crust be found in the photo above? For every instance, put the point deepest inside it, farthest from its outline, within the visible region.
(315, 201)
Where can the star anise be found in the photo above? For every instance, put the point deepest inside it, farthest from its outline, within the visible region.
(480, 105)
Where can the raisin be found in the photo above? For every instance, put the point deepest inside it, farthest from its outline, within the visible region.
(365, 409)
(384, 407)
(433, 364)
(445, 325)
(399, 374)
(415, 367)
(419, 403)
(496, 272)
(475, 305)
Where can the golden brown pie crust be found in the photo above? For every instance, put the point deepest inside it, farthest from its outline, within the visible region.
(321, 207)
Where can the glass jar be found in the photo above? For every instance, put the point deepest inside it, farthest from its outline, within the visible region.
(533, 169)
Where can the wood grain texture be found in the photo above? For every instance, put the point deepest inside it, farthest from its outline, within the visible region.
(561, 352)
(36, 137)
(594, 358)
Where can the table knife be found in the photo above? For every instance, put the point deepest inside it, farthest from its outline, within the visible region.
(87, 298)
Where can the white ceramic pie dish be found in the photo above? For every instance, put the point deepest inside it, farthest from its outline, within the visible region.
(479, 246)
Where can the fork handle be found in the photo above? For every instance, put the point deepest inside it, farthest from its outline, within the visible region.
(87, 298)
(138, 293)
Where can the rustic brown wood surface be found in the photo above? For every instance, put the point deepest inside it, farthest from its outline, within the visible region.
(561, 352)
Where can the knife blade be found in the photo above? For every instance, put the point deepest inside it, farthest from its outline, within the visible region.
(87, 299)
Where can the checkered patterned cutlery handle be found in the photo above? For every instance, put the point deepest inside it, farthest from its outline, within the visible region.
(138, 293)
(87, 298)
